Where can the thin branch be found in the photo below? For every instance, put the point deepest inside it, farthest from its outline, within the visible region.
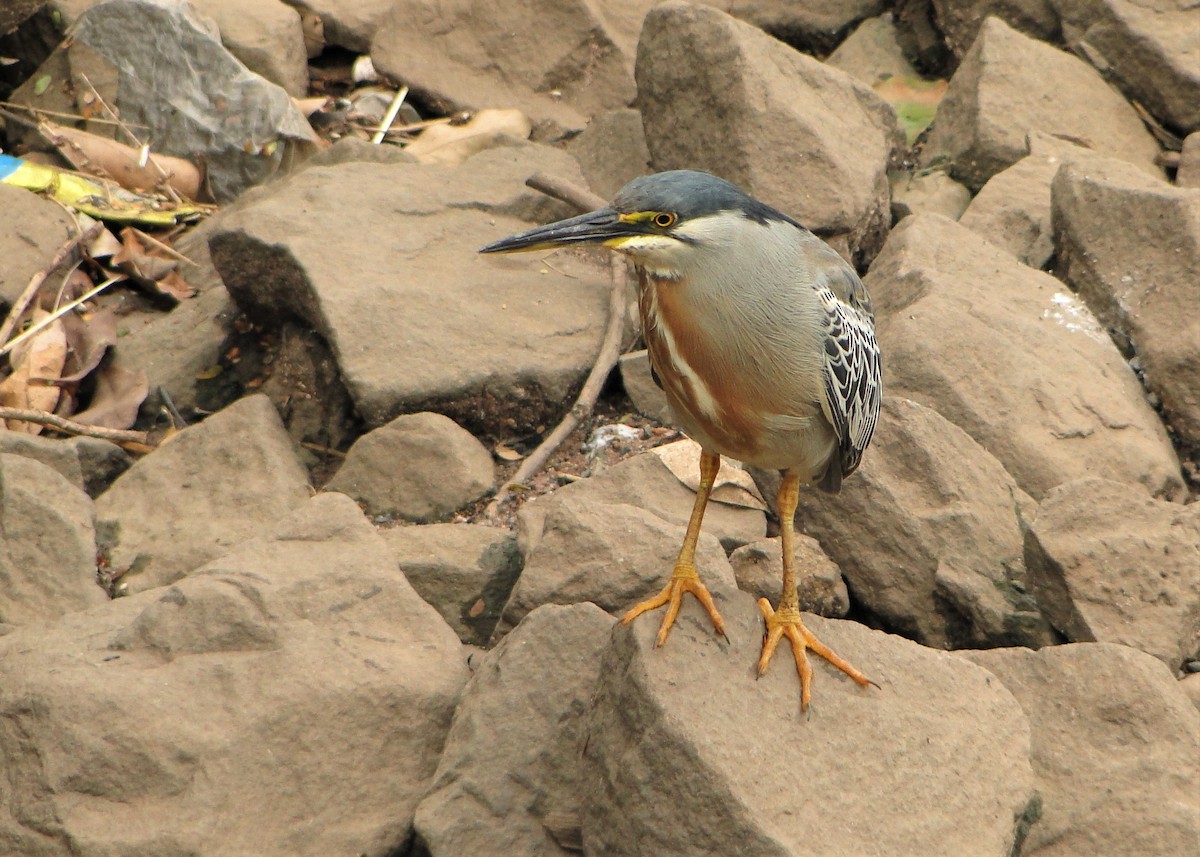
(35, 282)
(63, 424)
(606, 359)
(46, 321)
(390, 116)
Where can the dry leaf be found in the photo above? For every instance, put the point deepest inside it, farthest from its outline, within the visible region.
(118, 395)
(506, 453)
(732, 487)
(149, 271)
(88, 339)
(104, 157)
(38, 360)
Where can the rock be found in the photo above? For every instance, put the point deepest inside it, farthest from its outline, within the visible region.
(354, 149)
(48, 552)
(31, 231)
(1130, 246)
(266, 36)
(466, 571)
(647, 397)
(1115, 748)
(1009, 85)
(758, 569)
(928, 193)
(510, 770)
(1149, 49)
(1188, 174)
(482, 340)
(577, 549)
(144, 78)
(928, 535)
(555, 60)
(296, 658)
(952, 312)
(1190, 685)
(721, 95)
(872, 53)
(647, 482)
(961, 22)
(85, 462)
(1109, 564)
(349, 24)
(674, 766)
(612, 151)
(420, 467)
(214, 485)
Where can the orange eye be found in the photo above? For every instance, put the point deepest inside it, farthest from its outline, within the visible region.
(664, 219)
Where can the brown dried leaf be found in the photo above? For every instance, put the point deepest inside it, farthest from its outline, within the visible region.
(118, 395)
(150, 272)
(88, 339)
(37, 361)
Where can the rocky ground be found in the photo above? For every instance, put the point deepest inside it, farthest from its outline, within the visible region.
(289, 621)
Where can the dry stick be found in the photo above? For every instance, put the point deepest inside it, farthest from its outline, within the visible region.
(71, 427)
(36, 281)
(48, 320)
(610, 348)
(390, 116)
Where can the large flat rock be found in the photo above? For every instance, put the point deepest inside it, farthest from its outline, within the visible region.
(687, 753)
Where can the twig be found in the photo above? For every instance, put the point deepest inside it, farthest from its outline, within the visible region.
(162, 174)
(35, 282)
(177, 420)
(390, 116)
(606, 359)
(166, 248)
(58, 313)
(38, 111)
(71, 427)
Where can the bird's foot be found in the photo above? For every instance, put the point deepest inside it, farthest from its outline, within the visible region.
(684, 579)
(785, 622)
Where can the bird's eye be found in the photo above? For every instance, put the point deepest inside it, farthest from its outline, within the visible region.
(664, 219)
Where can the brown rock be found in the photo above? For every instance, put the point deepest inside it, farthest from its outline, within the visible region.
(872, 53)
(1190, 685)
(420, 467)
(928, 535)
(1009, 85)
(1115, 747)
(1130, 246)
(48, 548)
(961, 21)
(928, 193)
(466, 571)
(1108, 563)
(721, 95)
(510, 770)
(611, 150)
(1007, 355)
(1147, 47)
(31, 231)
(349, 24)
(1188, 174)
(758, 569)
(266, 36)
(85, 462)
(258, 682)
(648, 398)
(214, 485)
(687, 753)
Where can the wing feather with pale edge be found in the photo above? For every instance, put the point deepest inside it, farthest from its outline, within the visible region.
(853, 370)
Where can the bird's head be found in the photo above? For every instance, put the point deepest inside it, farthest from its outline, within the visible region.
(665, 222)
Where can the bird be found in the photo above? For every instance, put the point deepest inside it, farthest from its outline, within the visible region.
(762, 337)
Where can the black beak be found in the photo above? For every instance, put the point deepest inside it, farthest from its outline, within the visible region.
(595, 227)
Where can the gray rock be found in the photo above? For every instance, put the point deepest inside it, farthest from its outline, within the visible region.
(420, 467)
(1130, 246)
(555, 60)
(266, 36)
(611, 150)
(758, 569)
(1115, 747)
(215, 484)
(1110, 564)
(1009, 85)
(509, 775)
(299, 656)
(48, 548)
(577, 549)
(872, 53)
(240, 147)
(928, 535)
(954, 313)
(960, 20)
(466, 571)
(648, 398)
(480, 339)
(1149, 49)
(687, 753)
(928, 193)
(85, 462)
(31, 231)
(787, 142)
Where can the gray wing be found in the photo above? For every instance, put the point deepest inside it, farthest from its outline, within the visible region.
(852, 371)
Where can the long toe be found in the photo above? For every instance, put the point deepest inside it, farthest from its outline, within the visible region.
(787, 623)
(672, 596)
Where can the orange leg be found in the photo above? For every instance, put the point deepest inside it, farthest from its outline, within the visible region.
(684, 578)
(785, 622)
